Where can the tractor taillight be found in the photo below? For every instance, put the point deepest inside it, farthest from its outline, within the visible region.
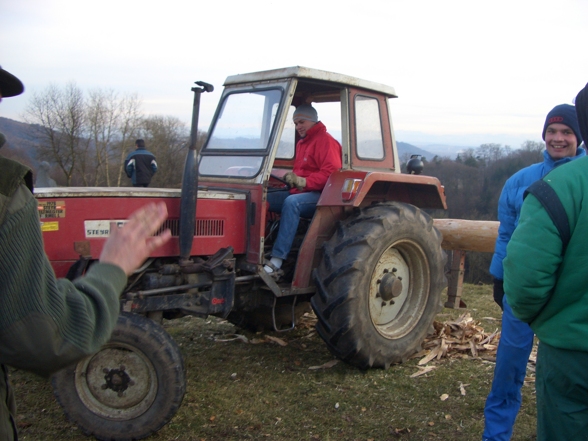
(350, 188)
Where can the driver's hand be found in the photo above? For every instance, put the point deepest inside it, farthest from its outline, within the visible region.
(294, 180)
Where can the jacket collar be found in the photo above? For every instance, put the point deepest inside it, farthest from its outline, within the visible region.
(551, 163)
(319, 127)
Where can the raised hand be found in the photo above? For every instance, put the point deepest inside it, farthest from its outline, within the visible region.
(130, 245)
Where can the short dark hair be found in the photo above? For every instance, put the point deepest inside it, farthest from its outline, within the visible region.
(140, 143)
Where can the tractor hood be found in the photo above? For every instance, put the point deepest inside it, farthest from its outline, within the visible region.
(83, 215)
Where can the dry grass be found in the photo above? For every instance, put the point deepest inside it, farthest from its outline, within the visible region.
(262, 390)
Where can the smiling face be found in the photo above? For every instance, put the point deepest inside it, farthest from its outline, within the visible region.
(302, 125)
(560, 141)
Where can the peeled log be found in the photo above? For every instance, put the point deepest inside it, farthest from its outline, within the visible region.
(468, 235)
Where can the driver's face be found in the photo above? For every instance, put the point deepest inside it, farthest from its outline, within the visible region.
(302, 125)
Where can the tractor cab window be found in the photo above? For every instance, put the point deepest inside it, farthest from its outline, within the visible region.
(368, 130)
(329, 114)
(286, 145)
(241, 134)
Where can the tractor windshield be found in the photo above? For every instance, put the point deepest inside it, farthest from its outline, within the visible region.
(241, 133)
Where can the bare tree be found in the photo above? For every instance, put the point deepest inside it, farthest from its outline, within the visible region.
(129, 120)
(167, 139)
(103, 115)
(489, 153)
(532, 146)
(60, 115)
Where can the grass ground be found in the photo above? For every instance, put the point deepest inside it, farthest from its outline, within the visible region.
(265, 391)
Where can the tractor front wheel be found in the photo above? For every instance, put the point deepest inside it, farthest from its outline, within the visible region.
(130, 388)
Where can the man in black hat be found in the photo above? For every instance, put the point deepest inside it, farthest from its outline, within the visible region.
(9, 85)
(48, 323)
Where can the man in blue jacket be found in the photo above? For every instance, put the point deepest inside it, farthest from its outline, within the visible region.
(562, 138)
(140, 165)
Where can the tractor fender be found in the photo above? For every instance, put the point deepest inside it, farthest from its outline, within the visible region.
(357, 188)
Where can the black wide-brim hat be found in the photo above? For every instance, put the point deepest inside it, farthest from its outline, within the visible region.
(9, 84)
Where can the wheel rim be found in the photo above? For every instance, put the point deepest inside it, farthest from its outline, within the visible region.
(118, 383)
(399, 289)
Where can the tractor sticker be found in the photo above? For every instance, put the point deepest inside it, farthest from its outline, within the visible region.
(51, 209)
(49, 226)
(100, 228)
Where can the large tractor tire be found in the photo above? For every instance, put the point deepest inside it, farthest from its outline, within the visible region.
(128, 390)
(379, 285)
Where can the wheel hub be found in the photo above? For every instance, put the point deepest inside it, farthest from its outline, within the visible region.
(117, 380)
(389, 286)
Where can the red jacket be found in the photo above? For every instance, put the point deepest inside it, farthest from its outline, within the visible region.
(318, 155)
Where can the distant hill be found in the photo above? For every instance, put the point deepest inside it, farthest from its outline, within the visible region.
(21, 143)
(444, 150)
(405, 150)
(20, 140)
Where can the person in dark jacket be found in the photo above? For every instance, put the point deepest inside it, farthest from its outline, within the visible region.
(48, 323)
(562, 139)
(140, 165)
(546, 285)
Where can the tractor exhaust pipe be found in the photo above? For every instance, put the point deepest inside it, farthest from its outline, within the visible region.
(190, 180)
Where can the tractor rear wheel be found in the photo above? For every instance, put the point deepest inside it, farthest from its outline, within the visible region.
(379, 285)
(130, 388)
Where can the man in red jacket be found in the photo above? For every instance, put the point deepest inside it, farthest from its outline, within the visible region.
(318, 155)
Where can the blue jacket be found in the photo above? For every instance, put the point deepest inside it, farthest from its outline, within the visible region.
(511, 201)
(140, 166)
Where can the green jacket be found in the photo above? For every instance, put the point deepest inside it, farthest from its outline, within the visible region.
(45, 323)
(545, 289)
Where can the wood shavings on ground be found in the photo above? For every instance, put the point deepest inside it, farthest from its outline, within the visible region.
(276, 340)
(254, 341)
(307, 321)
(231, 337)
(463, 338)
(423, 371)
(327, 365)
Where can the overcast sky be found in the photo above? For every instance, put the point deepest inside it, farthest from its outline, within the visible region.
(466, 72)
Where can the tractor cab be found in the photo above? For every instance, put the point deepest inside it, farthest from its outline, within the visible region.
(252, 130)
(251, 145)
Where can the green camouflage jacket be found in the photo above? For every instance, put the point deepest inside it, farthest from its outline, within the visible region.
(45, 323)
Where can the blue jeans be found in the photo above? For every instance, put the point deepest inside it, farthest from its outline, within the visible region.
(292, 207)
(504, 401)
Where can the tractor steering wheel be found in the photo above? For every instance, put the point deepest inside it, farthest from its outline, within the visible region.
(280, 180)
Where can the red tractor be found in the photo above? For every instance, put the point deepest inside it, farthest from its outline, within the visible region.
(369, 262)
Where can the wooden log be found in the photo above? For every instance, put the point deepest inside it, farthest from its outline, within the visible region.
(468, 235)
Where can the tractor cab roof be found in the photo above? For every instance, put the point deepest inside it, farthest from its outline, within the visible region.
(307, 73)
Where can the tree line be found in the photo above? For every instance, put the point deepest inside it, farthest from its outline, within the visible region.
(473, 183)
(85, 137)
